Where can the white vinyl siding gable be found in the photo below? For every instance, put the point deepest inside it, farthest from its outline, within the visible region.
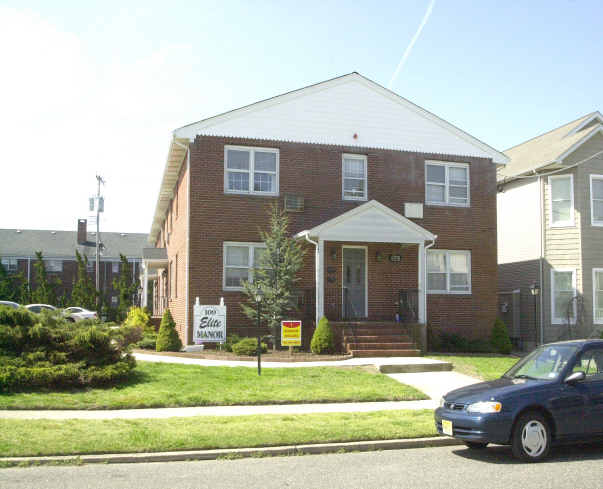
(447, 183)
(561, 205)
(563, 291)
(253, 171)
(354, 177)
(448, 272)
(239, 260)
(596, 200)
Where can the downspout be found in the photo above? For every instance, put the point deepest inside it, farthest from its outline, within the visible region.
(435, 236)
(541, 260)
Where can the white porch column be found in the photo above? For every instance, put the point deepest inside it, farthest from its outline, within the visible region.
(145, 285)
(422, 284)
(320, 277)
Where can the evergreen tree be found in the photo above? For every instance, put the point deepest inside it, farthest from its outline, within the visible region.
(275, 273)
(84, 292)
(46, 287)
(10, 285)
(126, 288)
(167, 338)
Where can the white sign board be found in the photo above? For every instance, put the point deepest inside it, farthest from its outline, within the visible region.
(209, 324)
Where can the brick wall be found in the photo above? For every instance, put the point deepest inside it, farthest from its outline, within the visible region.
(314, 172)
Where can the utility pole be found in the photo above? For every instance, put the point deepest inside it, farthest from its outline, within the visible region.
(100, 207)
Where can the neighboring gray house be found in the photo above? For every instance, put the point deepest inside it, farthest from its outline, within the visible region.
(550, 233)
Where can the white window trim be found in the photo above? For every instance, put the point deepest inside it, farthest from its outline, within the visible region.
(446, 165)
(251, 246)
(251, 171)
(600, 321)
(362, 158)
(593, 221)
(448, 291)
(561, 224)
(554, 318)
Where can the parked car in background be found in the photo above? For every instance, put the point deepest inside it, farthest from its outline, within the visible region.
(12, 304)
(553, 395)
(38, 308)
(79, 313)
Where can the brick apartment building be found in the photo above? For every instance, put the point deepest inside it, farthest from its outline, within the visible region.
(389, 200)
(18, 249)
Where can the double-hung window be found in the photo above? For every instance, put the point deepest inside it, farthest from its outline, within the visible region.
(596, 200)
(115, 267)
(239, 261)
(598, 295)
(251, 170)
(561, 200)
(563, 291)
(9, 264)
(53, 266)
(448, 272)
(447, 183)
(354, 177)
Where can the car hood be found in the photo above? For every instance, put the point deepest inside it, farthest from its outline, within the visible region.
(494, 389)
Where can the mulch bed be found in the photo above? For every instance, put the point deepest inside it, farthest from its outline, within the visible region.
(278, 356)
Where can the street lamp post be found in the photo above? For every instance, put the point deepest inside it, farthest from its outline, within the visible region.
(259, 295)
(535, 291)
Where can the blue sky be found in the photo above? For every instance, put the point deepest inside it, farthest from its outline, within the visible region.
(98, 87)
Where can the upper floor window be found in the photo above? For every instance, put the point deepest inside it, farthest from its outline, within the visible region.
(596, 200)
(90, 264)
(354, 180)
(563, 291)
(448, 272)
(53, 265)
(9, 264)
(251, 170)
(561, 199)
(447, 183)
(115, 267)
(239, 261)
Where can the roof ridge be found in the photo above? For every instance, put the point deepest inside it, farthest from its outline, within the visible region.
(551, 130)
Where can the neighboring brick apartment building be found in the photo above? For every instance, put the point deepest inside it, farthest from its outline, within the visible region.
(18, 249)
(385, 196)
(550, 234)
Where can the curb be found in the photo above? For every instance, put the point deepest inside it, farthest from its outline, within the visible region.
(233, 453)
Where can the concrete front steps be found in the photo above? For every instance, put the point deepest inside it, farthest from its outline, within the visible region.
(377, 339)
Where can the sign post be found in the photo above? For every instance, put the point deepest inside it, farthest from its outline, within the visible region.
(291, 334)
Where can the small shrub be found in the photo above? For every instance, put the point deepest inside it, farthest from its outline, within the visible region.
(500, 338)
(148, 342)
(248, 347)
(138, 316)
(455, 343)
(167, 338)
(128, 334)
(231, 340)
(322, 339)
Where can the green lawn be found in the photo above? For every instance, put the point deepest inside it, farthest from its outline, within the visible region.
(76, 437)
(486, 367)
(171, 385)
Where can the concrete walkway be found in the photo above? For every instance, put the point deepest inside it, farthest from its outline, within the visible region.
(246, 363)
(435, 384)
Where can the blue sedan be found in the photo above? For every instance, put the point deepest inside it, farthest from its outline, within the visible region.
(553, 395)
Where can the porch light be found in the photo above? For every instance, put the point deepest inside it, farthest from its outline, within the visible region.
(259, 295)
(379, 256)
(333, 253)
(535, 289)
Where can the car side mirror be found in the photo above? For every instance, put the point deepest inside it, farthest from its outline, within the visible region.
(575, 377)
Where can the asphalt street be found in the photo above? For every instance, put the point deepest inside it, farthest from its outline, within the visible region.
(447, 467)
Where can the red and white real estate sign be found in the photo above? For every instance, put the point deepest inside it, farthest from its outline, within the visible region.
(291, 333)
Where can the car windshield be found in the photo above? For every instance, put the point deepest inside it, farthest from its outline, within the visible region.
(544, 363)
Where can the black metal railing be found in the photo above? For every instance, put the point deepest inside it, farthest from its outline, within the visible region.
(408, 305)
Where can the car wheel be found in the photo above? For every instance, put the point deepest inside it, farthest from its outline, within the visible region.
(531, 437)
(71, 320)
(476, 445)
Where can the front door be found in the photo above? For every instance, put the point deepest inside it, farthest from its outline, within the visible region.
(354, 282)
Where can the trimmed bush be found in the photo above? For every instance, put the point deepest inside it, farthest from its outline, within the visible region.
(500, 338)
(138, 316)
(322, 339)
(231, 340)
(148, 342)
(248, 347)
(47, 351)
(455, 343)
(167, 338)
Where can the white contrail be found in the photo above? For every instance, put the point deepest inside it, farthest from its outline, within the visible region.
(412, 43)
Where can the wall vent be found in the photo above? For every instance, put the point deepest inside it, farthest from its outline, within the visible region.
(294, 203)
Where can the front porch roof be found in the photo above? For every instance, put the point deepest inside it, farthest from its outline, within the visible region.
(371, 222)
